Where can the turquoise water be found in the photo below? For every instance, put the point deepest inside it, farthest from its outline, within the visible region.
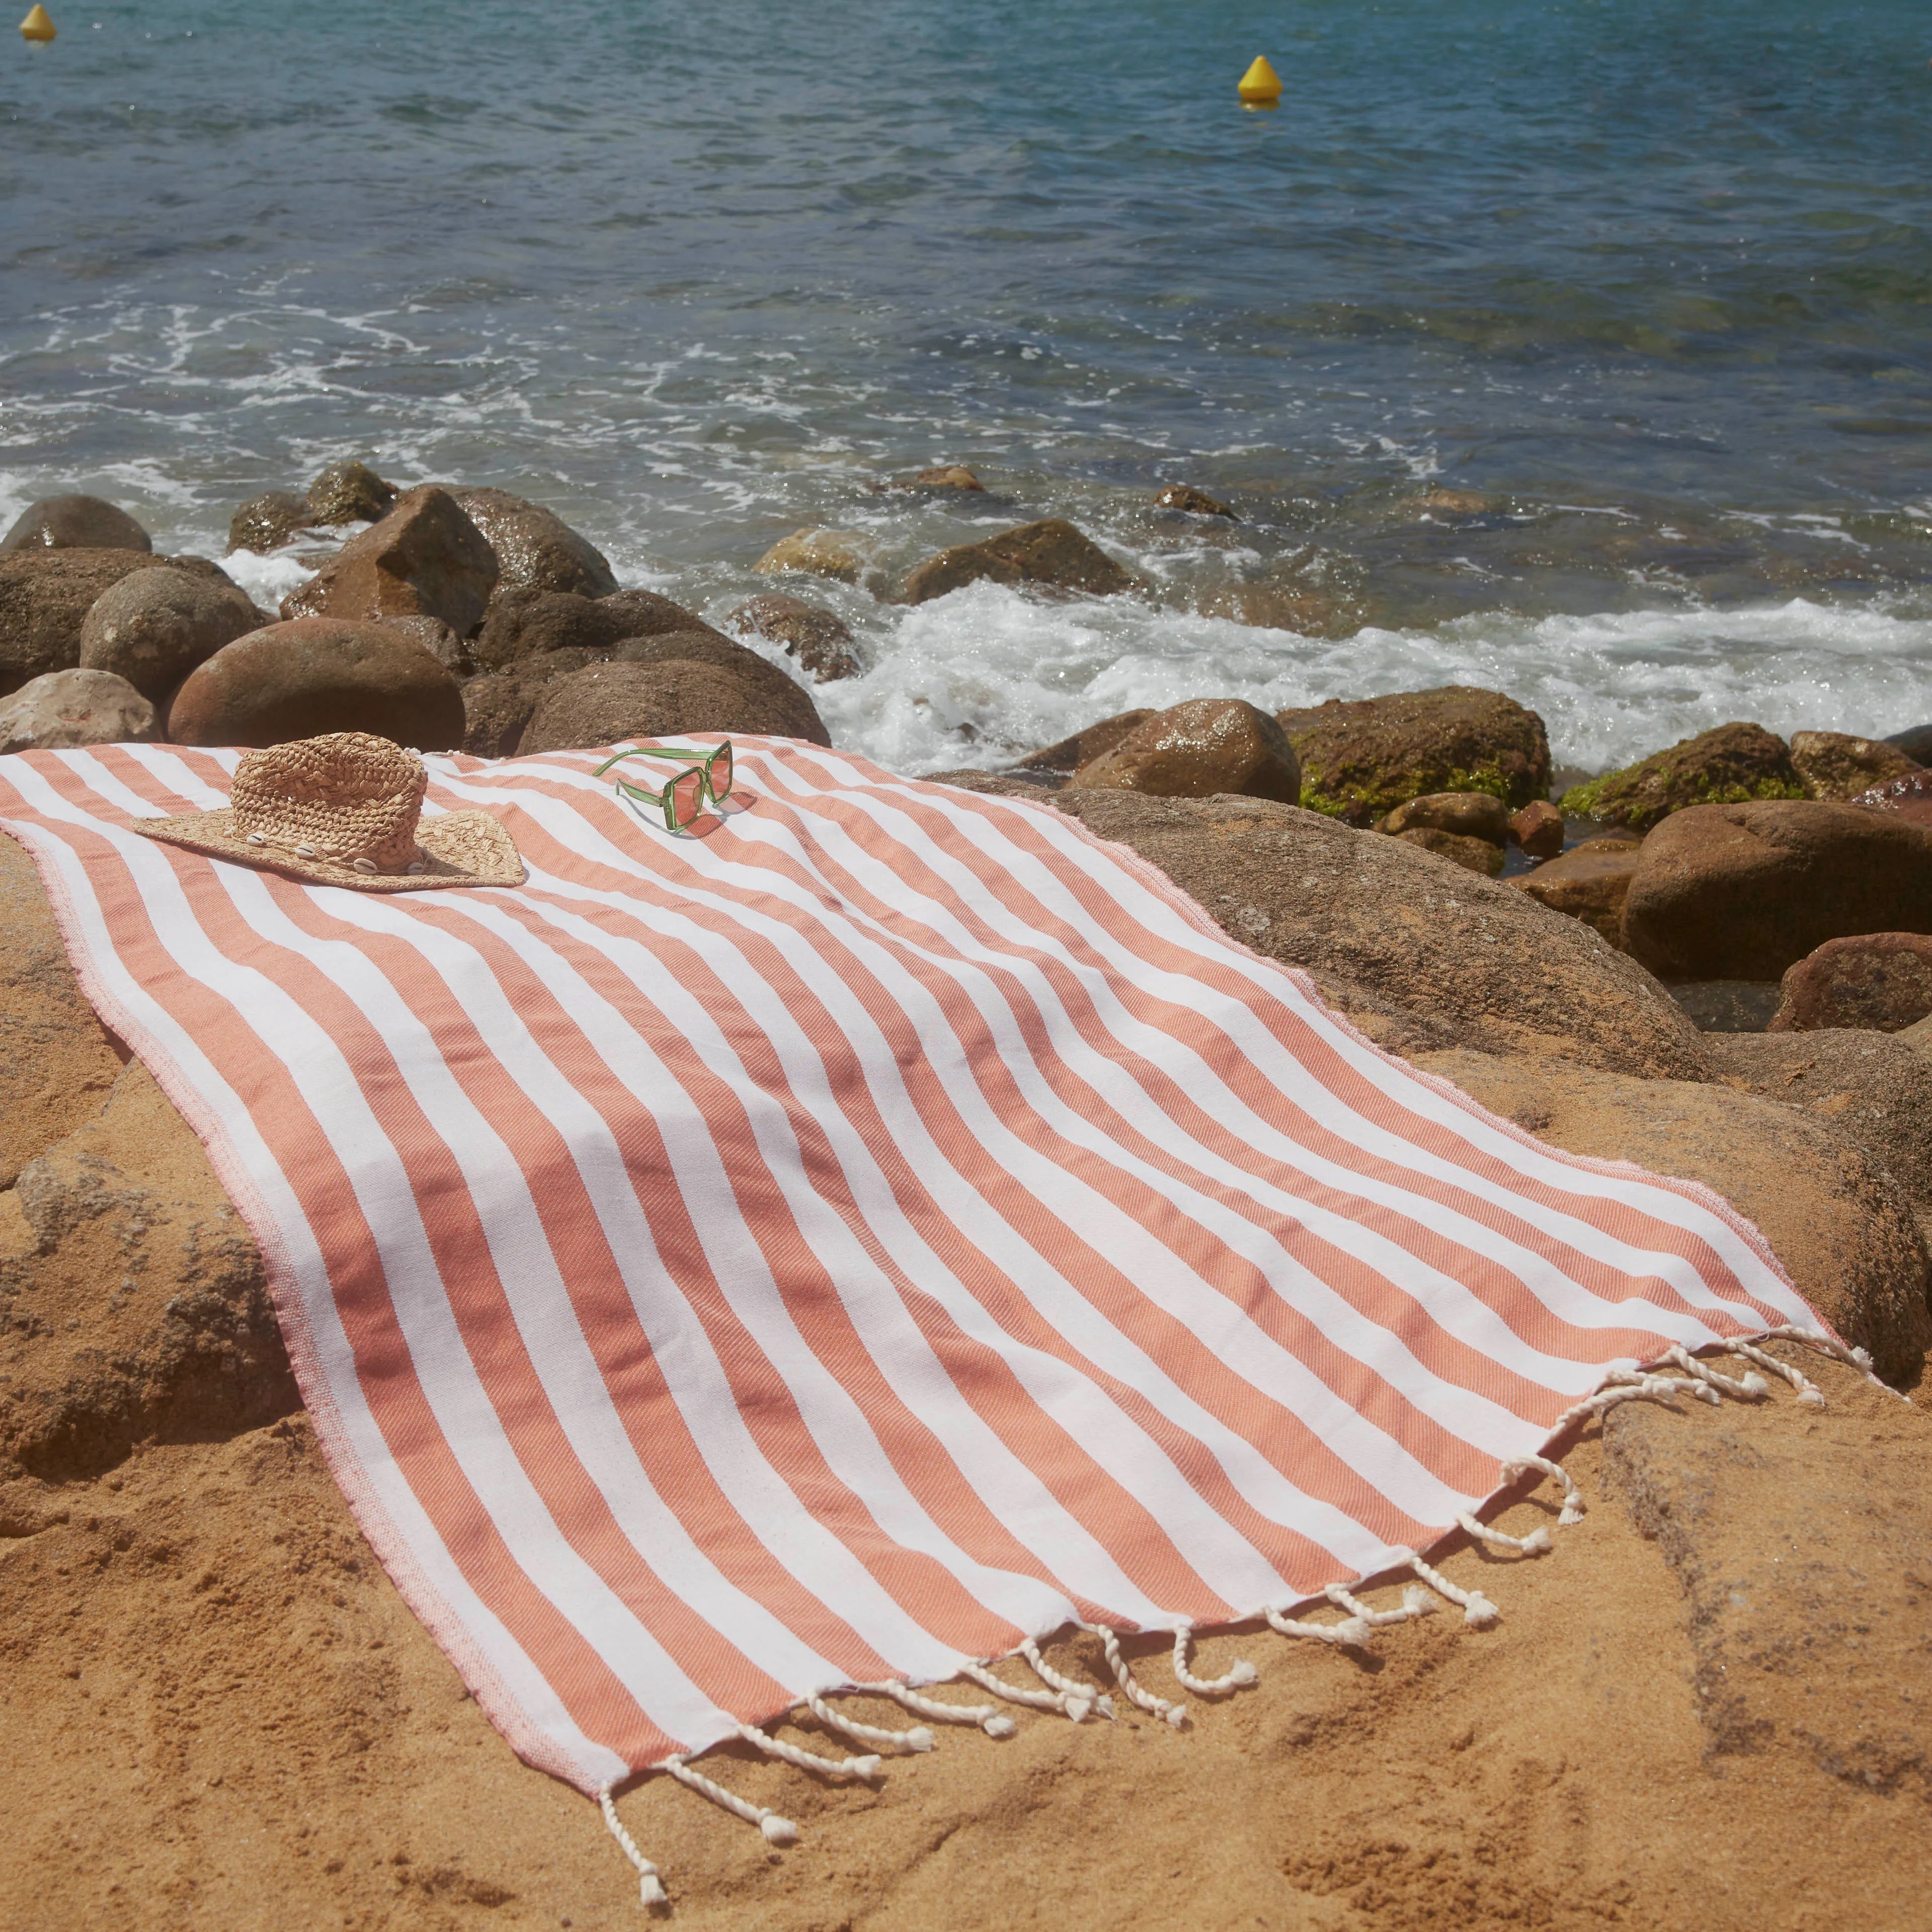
(1582, 349)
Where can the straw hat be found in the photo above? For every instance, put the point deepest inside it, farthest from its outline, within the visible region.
(344, 810)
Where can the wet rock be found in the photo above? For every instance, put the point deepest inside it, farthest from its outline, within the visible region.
(267, 522)
(1802, 1542)
(425, 559)
(132, 1301)
(1308, 609)
(1538, 829)
(670, 693)
(817, 638)
(838, 554)
(75, 523)
(1468, 814)
(349, 493)
(1590, 882)
(1728, 765)
(311, 675)
(1843, 1226)
(1051, 553)
(62, 708)
(433, 635)
(1741, 891)
(1361, 759)
(523, 622)
(1874, 1088)
(1834, 766)
(535, 549)
(1194, 502)
(1909, 797)
(45, 596)
(57, 1061)
(1195, 750)
(1473, 855)
(947, 476)
(152, 627)
(1438, 504)
(1915, 743)
(1067, 756)
(1879, 980)
(1418, 955)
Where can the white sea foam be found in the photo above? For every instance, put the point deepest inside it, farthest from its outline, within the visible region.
(981, 675)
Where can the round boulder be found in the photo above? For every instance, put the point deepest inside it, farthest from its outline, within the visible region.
(349, 493)
(536, 548)
(1910, 797)
(153, 626)
(1881, 981)
(45, 596)
(1741, 891)
(300, 679)
(1472, 854)
(1193, 502)
(65, 708)
(266, 522)
(1834, 765)
(1732, 765)
(524, 621)
(1466, 814)
(838, 554)
(1197, 749)
(75, 523)
(669, 695)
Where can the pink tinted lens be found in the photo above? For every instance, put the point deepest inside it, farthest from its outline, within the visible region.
(687, 797)
(721, 772)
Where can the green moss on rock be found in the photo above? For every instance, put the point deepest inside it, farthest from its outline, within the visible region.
(1359, 760)
(1734, 764)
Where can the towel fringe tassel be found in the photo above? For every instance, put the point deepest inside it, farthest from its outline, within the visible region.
(1358, 1623)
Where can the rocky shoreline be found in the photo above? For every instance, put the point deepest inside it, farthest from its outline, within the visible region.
(1716, 963)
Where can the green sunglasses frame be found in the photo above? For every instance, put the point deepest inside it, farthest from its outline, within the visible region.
(663, 797)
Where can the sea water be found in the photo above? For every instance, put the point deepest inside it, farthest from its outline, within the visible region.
(1581, 349)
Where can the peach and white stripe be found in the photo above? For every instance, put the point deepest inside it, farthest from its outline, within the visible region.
(845, 1244)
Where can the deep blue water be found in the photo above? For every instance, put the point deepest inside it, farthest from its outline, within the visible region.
(1648, 288)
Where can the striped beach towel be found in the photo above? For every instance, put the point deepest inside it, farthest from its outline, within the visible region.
(842, 1246)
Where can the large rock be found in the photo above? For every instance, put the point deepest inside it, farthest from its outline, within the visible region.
(1879, 980)
(1834, 765)
(1418, 955)
(1909, 797)
(425, 559)
(1360, 759)
(535, 549)
(1538, 829)
(819, 639)
(56, 1061)
(75, 523)
(1872, 1087)
(1914, 743)
(45, 596)
(686, 682)
(524, 622)
(62, 708)
(1590, 882)
(1803, 1551)
(1197, 749)
(1729, 766)
(349, 493)
(267, 522)
(838, 554)
(1066, 757)
(1842, 1224)
(946, 476)
(1051, 553)
(311, 675)
(1741, 891)
(152, 627)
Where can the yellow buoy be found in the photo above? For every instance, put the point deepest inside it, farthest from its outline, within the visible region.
(36, 27)
(1260, 83)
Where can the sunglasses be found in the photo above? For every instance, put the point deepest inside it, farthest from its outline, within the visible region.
(682, 798)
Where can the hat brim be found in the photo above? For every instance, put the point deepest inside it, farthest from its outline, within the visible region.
(459, 848)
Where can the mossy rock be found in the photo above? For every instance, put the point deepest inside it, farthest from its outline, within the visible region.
(1360, 759)
(1734, 764)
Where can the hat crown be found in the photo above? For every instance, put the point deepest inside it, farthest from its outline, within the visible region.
(348, 797)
